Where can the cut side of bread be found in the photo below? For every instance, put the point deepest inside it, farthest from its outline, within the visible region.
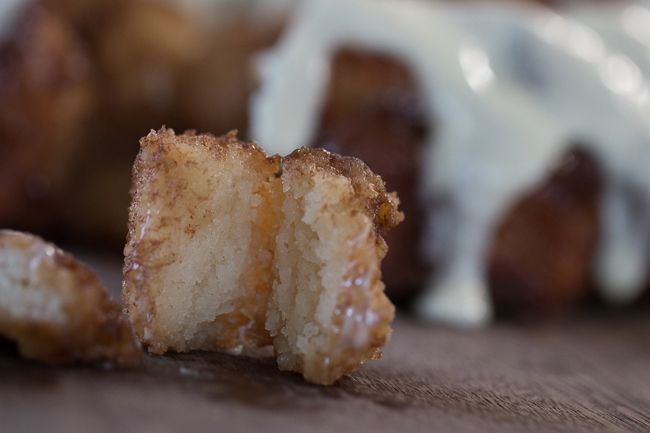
(328, 313)
(56, 309)
(231, 250)
(198, 268)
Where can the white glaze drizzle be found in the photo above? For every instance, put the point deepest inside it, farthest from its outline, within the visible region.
(500, 129)
(590, 86)
(9, 10)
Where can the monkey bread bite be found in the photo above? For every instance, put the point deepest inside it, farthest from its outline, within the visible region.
(198, 262)
(232, 250)
(328, 312)
(55, 308)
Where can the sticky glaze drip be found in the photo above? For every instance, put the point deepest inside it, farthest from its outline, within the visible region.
(586, 80)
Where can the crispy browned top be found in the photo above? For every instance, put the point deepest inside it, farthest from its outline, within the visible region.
(167, 137)
(152, 162)
(369, 188)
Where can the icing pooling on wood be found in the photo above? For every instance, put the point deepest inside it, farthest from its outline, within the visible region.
(499, 129)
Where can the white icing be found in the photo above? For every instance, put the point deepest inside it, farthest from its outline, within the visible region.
(510, 88)
(9, 10)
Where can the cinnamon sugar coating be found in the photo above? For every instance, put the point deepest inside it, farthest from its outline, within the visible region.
(56, 309)
(335, 211)
(183, 288)
(234, 251)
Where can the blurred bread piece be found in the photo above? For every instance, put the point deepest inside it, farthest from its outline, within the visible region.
(46, 93)
(154, 62)
(143, 51)
(541, 259)
(198, 263)
(56, 309)
(140, 51)
(328, 313)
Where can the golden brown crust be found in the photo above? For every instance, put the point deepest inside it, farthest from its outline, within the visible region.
(56, 309)
(173, 177)
(162, 201)
(360, 324)
(370, 193)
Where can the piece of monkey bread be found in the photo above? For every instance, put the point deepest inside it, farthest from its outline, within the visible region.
(55, 308)
(328, 312)
(198, 262)
(231, 250)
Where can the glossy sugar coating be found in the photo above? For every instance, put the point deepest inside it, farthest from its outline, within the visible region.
(55, 308)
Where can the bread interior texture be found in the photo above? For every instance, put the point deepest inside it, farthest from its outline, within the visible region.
(231, 250)
(206, 244)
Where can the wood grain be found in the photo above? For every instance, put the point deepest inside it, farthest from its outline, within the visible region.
(589, 374)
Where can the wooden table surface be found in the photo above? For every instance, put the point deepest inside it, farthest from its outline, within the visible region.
(587, 374)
